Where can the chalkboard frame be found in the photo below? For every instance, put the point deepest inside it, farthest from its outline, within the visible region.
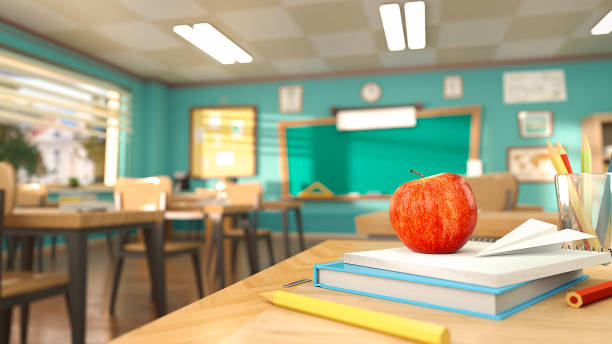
(475, 112)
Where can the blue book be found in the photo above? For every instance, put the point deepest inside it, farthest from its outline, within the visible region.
(487, 302)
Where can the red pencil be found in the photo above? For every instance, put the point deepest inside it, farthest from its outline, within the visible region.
(564, 157)
(578, 298)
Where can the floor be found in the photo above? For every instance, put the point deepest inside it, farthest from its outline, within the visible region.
(49, 318)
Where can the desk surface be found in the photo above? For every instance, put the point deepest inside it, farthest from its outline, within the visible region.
(218, 316)
(53, 218)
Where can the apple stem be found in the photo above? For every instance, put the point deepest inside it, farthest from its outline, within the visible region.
(413, 171)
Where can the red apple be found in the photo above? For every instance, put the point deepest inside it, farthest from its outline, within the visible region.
(435, 214)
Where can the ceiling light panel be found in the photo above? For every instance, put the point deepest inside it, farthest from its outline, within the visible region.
(414, 12)
(604, 26)
(210, 40)
(391, 17)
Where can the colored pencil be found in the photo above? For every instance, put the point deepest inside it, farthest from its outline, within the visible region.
(563, 153)
(556, 160)
(381, 322)
(585, 156)
(579, 298)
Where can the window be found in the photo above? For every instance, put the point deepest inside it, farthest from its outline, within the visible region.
(56, 124)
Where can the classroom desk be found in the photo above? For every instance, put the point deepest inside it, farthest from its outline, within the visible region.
(76, 226)
(284, 206)
(218, 316)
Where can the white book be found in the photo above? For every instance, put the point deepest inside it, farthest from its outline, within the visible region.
(463, 265)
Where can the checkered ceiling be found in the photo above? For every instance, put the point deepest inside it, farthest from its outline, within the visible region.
(290, 37)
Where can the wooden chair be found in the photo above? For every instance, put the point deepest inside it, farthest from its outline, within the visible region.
(246, 194)
(196, 217)
(19, 288)
(147, 194)
(35, 195)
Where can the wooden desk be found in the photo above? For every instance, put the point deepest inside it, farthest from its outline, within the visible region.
(490, 224)
(76, 226)
(216, 317)
(284, 206)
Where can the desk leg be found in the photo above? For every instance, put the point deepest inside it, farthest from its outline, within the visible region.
(284, 215)
(218, 239)
(298, 219)
(27, 263)
(77, 285)
(250, 243)
(154, 241)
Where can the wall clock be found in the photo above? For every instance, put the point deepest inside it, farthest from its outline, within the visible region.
(371, 92)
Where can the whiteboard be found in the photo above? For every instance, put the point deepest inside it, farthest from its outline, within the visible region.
(535, 86)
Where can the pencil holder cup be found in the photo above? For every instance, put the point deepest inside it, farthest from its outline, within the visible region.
(585, 203)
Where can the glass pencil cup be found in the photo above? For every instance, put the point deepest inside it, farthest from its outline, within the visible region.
(584, 202)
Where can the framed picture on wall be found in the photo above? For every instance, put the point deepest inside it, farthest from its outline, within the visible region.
(534, 124)
(290, 98)
(530, 164)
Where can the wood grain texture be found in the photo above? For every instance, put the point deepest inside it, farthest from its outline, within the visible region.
(23, 282)
(51, 218)
(218, 316)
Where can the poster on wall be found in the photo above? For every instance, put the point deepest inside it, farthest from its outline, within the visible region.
(222, 142)
(530, 164)
(535, 86)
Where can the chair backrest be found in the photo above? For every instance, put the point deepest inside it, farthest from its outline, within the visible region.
(248, 194)
(495, 191)
(8, 182)
(141, 194)
(31, 195)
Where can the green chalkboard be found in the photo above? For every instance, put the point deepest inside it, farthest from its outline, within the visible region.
(375, 160)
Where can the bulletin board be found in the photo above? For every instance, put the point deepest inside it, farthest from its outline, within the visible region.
(223, 142)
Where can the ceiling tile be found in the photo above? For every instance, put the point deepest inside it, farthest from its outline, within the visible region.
(139, 35)
(587, 46)
(473, 32)
(204, 73)
(133, 61)
(261, 23)
(353, 63)
(252, 70)
(544, 26)
(91, 12)
(162, 9)
(466, 55)
(285, 48)
(181, 56)
(478, 9)
(343, 43)
(390, 59)
(225, 5)
(583, 29)
(529, 48)
(301, 65)
(87, 40)
(532, 7)
(22, 12)
(330, 17)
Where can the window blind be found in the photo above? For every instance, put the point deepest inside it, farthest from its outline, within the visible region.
(36, 93)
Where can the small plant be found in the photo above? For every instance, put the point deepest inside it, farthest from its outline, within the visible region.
(73, 182)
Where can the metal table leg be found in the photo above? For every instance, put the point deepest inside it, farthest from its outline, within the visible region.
(298, 219)
(218, 239)
(251, 245)
(284, 215)
(154, 240)
(77, 285)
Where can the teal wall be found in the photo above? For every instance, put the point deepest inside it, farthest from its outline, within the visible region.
(587, 88)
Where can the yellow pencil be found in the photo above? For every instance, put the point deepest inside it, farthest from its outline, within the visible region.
(556, 160)
(585, 156)
(386, 323)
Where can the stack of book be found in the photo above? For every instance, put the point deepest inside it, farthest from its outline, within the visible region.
(493, 287)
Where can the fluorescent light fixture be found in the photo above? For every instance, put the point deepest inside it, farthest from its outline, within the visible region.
(604, 26)
(415, 24)
(392, 24)
(213, 42)
(376, 118)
